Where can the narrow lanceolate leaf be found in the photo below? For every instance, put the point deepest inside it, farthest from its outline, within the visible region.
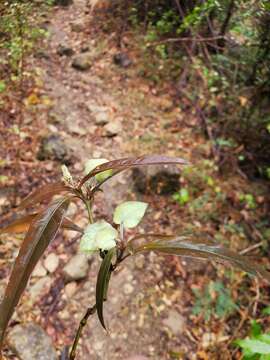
(22, 225)
(42, 230)
(191, 247)
(19, 225)
(46, 192)
(102, 284)
(126, 163)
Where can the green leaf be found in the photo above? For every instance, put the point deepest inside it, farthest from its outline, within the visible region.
(127, 163)
(129, 213)
(92, 164)
(266, 311)
(100, 235)
(191, 246)
(41, 232)
(254, 346)
(102, 284)
(2, 86)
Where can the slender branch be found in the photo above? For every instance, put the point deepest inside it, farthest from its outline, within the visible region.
(90, 311)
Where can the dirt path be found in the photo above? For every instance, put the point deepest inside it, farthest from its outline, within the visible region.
(142, 319)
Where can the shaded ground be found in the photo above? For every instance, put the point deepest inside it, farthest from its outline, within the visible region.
(149, 309)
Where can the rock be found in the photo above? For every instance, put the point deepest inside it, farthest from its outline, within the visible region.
(70, 289)
(122, 59)
(76, 129)
(138, 357)
(77, 26)
(30, 342)
(63, 2)
(51, 262)
(82, 61)
(39, 288)
(76, 268)
(102, 118)
(39, 271)
(128, 289)
(65, 50)
(175, 322)
(156, 179)
(52, 147)
(113, 128)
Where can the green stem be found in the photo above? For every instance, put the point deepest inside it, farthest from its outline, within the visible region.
(83, 322)
(89, 210)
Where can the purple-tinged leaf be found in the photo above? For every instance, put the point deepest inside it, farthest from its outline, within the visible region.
(204, 249)
(22, 225)
(42, 231)
(126, 163)
(46, 192)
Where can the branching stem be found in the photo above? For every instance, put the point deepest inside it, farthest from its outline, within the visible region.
(90, 311)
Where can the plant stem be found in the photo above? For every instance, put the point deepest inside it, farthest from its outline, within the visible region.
(83, 322)
(89, 210)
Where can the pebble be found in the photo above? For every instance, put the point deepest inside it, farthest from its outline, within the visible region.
(76, 268)
(51, 262)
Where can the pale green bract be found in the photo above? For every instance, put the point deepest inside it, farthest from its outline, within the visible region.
(129, 213)
(92, 164)
(100, 235)
(66, 174)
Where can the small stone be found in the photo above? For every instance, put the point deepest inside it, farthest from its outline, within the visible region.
(139, 261)
(137, 357)
(175, 322)
(76, 268)
(51, 262)
(101, 118)
(122, 59)
(30, 342)
(70, 289)
(128, 289)
(113, 128)
(65, 50)
(77, 26)
(52, 147)
(39, 271)
(82, 61)
(76, 129)
(39, 287)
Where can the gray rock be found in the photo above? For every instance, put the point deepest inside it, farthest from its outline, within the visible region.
(76, 268)
(39, 288)
(77, 26)
(65, 50)
(30, 342)
(82, 61)
(113, 128)
(156, 179)
(52, 147)
(122, 59)
(175, 322)
(63, 2)
(102, 118)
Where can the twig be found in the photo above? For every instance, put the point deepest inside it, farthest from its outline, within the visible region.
(250, 248)
(90, 311)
